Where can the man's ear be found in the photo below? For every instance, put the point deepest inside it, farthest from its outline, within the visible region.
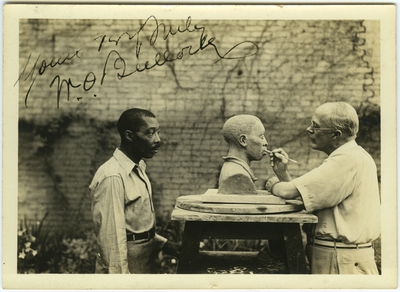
(337, 134)
(242, 140)
(128, 135)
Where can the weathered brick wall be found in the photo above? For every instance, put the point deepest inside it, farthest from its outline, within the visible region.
(298, 66)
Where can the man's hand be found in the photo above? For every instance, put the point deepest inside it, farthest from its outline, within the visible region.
(279, 160)
(270, 182)
(172, 248)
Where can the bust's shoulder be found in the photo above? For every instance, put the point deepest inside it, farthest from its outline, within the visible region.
(231, 168)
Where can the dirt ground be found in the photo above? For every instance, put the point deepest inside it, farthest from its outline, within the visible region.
(253, 265)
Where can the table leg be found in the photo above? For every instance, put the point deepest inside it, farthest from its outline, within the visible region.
(294, 249)
(190, 247)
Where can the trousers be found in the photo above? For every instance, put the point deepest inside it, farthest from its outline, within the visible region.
(141, 258)
(328, 260)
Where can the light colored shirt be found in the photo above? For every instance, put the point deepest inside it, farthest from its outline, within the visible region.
(121, 203)
(343, 193)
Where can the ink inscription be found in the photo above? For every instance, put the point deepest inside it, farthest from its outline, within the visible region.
(151, 33)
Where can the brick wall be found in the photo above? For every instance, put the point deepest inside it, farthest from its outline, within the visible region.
(63, 139)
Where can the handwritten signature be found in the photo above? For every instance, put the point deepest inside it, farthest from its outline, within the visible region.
(161, 33)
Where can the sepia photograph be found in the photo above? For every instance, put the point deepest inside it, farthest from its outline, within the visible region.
(199, 147)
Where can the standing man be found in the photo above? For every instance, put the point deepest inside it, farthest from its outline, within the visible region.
(245, 136)
(343, 193)
(122, 206)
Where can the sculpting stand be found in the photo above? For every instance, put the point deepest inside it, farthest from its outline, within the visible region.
(247, 222)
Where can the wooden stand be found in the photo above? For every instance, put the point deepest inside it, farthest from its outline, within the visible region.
(278, 227)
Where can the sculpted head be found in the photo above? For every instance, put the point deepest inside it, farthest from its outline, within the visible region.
(246, 133)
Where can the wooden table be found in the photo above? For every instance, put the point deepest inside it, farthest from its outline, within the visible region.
(283, 227)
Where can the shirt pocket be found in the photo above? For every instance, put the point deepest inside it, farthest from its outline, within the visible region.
(133, 191)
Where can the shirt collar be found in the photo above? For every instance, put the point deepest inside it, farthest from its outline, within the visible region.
(241, 163)
(126, 163)
(345, 147)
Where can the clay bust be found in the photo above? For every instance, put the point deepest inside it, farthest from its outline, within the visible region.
(245, 136)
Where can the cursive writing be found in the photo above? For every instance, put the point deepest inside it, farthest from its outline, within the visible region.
(150, 34)
(166, 56)
(35, 72)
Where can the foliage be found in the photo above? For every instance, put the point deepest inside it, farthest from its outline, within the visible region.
(232, 245)
(172, 230)
(45, 135)
(37, 249)
(78, 254)
(370, 121)
(166, 264)
(42, 251)
(71, 252)
(27, 251)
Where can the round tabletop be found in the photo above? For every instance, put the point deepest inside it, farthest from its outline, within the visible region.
(195, 203)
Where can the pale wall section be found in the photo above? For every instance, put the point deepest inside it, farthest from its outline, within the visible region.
(296, 66)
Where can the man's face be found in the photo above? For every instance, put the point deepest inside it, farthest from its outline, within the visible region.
(256, 142)
(320, 132)
(146, 141)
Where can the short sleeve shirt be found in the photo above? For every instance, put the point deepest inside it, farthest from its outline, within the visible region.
(343, 193)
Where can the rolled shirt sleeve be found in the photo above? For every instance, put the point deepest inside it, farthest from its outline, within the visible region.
(160, 241)
(327, 185)
(344, 193)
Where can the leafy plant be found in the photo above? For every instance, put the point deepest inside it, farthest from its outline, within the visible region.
(42, 251)
(231, 245)
(78, 254)
(69, 252)
(37, 249)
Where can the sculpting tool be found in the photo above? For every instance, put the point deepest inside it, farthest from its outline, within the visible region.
(294, 161)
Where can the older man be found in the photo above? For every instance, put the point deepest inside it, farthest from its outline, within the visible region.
(123, 211)
(245, 136)
(343, 192)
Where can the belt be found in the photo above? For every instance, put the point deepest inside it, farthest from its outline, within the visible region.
(144, 235)
(340, 244)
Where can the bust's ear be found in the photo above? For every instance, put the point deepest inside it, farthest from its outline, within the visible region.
(242, 140)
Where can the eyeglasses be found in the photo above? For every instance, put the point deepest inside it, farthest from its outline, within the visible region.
(313, 128)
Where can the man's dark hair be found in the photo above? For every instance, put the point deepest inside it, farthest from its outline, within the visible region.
(131, 119)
